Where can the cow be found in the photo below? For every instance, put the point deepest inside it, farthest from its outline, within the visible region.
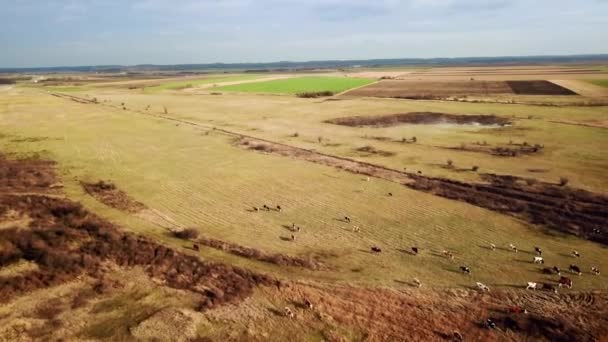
(565, 282)
(390, 194)
(356, 229)
(517, 309)
(575, 269)
(548, 270)
(256, 209)
(347, 219)
(196, 247)
(538, 251)
(531, 286)
(448, 254)
(457, 337)
(549, 287)
(557, 270)
(513, 247)
(576, 254)
(465, 269)
(376, 249)
(308, 304)
(482, 287)
(490, 324)
(289, 313)
(267, 208)
(279, 209)
(417, 282)
(492, 246)
(415, 250)
(539, 260)
(595, 270)
(293, 237)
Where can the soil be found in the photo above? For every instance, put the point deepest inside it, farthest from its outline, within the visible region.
(108, 194)
(419, 118)
(27, 175)
(65, 241)
(557, 208)
(538, 88)
(431, 89)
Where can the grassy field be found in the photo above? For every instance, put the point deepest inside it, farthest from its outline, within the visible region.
(300, 85)
(603, 83)
(196, 178)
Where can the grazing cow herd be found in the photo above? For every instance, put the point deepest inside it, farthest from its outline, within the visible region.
(563, 281)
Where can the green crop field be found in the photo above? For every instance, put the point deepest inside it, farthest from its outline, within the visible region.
(603, 83)
(300, 85)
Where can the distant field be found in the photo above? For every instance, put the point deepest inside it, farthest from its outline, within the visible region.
(300, 85)
(603, 83)
(175, 85)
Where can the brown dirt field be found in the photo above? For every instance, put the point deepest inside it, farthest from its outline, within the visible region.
(419, 118)
(65, 241)
(430, 90)
(566, 210)
(108, 194)
(419, 315)
(538, 88)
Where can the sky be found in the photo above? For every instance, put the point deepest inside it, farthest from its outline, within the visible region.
(36, 33)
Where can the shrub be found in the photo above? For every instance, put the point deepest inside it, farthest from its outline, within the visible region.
(315, 94)
(186, 234)
(414, 139)
(296, 134)
(563, 181)
(450, 162)
(531, 181)
(475, 168)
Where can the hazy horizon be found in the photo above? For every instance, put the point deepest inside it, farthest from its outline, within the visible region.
(95, 32)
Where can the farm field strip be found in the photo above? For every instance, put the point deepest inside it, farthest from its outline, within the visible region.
(300, 85)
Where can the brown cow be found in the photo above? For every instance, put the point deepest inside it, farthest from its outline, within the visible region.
(565, 282)
(549, 287)
(196, 247)
(376, 249)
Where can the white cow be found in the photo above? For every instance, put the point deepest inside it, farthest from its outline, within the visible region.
(531, 286)
(539, 260)
(482, 287)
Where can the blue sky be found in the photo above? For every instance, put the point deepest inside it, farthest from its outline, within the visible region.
(94, 32)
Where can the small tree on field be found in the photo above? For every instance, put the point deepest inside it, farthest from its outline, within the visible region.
(186, 234)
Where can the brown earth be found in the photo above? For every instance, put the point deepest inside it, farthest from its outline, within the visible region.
(27, 175)
(108, 194)
(431, 89)
(572, 211)
(419, 118)
(443, 89)
(538, 88)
